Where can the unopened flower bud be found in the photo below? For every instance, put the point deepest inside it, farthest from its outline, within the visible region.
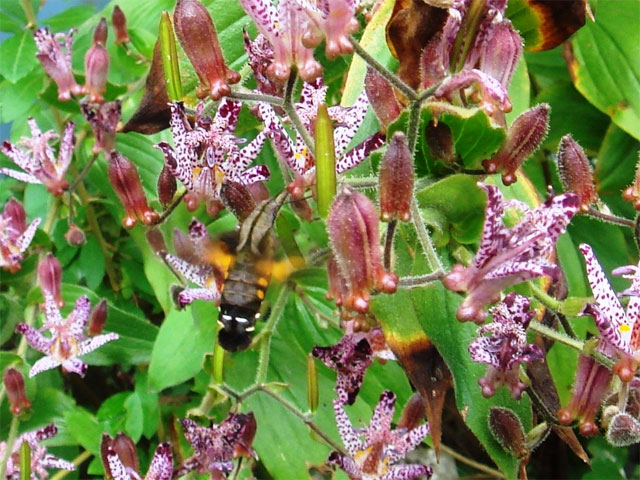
(524, 137)
(439, 139)
(382, 98)
(338, 289)
(248, 431)
(507, 429)
(156, 240)
(167, 186)
(396, 180)
(238, 199)
(75, 236)
(125, 180)
(14, 385)
(353, 230)
(119, 22)
(50, 277)
(501, 53)
(575, 172)
(198, 38)
(312, 384)
(96, 64)
(624, 430)
(413, 413)
(98, 318)
(124, 448)
(632, 192)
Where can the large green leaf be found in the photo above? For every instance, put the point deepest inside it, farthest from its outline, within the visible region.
(606, 63)
(17, 56)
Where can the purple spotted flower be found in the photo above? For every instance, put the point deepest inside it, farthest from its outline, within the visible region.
(38, 160)
(215, 447)
(41, 460)
(508, 256)
(347, 120)
(206, 154)
(260, 54)
(332, 20)
(617, 328)
(375, 456)
(67, 341)
(284, 26)
(56, 62)
(15, 236)
(505, 348)
(193, 251)
(161, 467)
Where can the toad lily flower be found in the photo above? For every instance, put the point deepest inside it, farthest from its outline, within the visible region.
(207, 154)
(333, 20)
(347, 122)
(116, 458)
(617, 328)
(67, 341)
(284, 28)
(38, 160)
(15, 236)
(508, 256)
(374, 457)
(506, 347)
(216, 446)
(56, 62)
(40, 458)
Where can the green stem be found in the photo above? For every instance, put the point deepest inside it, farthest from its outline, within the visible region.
(13, 434)
(362, 182)
(267, 331)
(256, 97)
(625, 222)
(557, 336)
(167, 211)
(425, 239)
(414, 124)
(544, 298)
(472, 463)
(32, 21)
(393, 79)
(420, 280)
(388, 243)
(290, 109)
(83, 173)
(83, 457)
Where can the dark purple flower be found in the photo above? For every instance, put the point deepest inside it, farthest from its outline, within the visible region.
(103, 119)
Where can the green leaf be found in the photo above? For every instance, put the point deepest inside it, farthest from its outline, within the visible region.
(184, 338)
(91, 262)
(135, 417)
(519, 91)
(70, 18)
(606, 66)
(18, 98)
(113, 413)
(85, 429)
(18, 56)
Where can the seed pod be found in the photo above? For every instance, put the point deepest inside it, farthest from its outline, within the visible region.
(50, 276)
(98, 318)
(156, 240)
(413, 413)
(96, 64)
(312, 384)
(119, 22)
(396, 181)
(170, 65)
(624, 430)
(125, 180)
(14, 385)
(501, 53)
(382, 98)
(238, 199)
(167, 186)
(507, 429)
(199, 40)
(524, 137)
(575, 172)
(75, 236)
(325, 160)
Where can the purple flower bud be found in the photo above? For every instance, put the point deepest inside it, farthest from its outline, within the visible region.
(242, 448)
(440, 141)
(382, 98)
(124, 448)
(198, 37)
(507, 429)
(624, 430)
(524, 137)
(501, 53)
(238, 199)
(167, 186)
(15, 236)
(413, 413)
(50, 276)
(56, 62)
(98, 318)
(75, 236)
(632, 192)
(14, 385)
(575, 172)
(119, 22)
(353, 230)
(125, 180)
(396, 180)
(96, 64)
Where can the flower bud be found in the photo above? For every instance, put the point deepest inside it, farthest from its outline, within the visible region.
(167, 186)
(75, 236)
(575, 172)
(98, 318)
(353, 230)
(14, 385)
(338, 289)
(96, 64)
(124, 448)
(624, 430)
(50, 277)
(396, 180)
(413, 413)
(440, 142)
(119, 22)
(156, 240)
(507, 429)
(198, 38)
(248, 431)
(632, 192)
(238, 199)
(501, 53)
(382, 98)
(125, 180)
(312, 384)
(524, 137)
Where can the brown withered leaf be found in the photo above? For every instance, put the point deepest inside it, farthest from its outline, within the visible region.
(558, 21)
(429, 374)
(153, 113)
(412, 24)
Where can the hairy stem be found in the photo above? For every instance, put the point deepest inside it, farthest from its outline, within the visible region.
(290, 109)
(256, 97)
(13, 433)
(83, 173)
(544, 298)
(625, 222)
(472, 463)
(388, 243)
(420, 280)
(425, 239)
(265, 335)
(412, 128)
(362, 182)
(167, 211)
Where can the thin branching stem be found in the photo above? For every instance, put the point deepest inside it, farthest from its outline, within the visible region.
(13, 433)
(388, 243)
(32, 22)
(290, 108)
(414, 125)
(472, 463)
(425, 239)
(420, 280)
(83, 173)
(265, 335)
(361, 182)
(544, 298)
(172, 206)
(606, 217)
(256, 97)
